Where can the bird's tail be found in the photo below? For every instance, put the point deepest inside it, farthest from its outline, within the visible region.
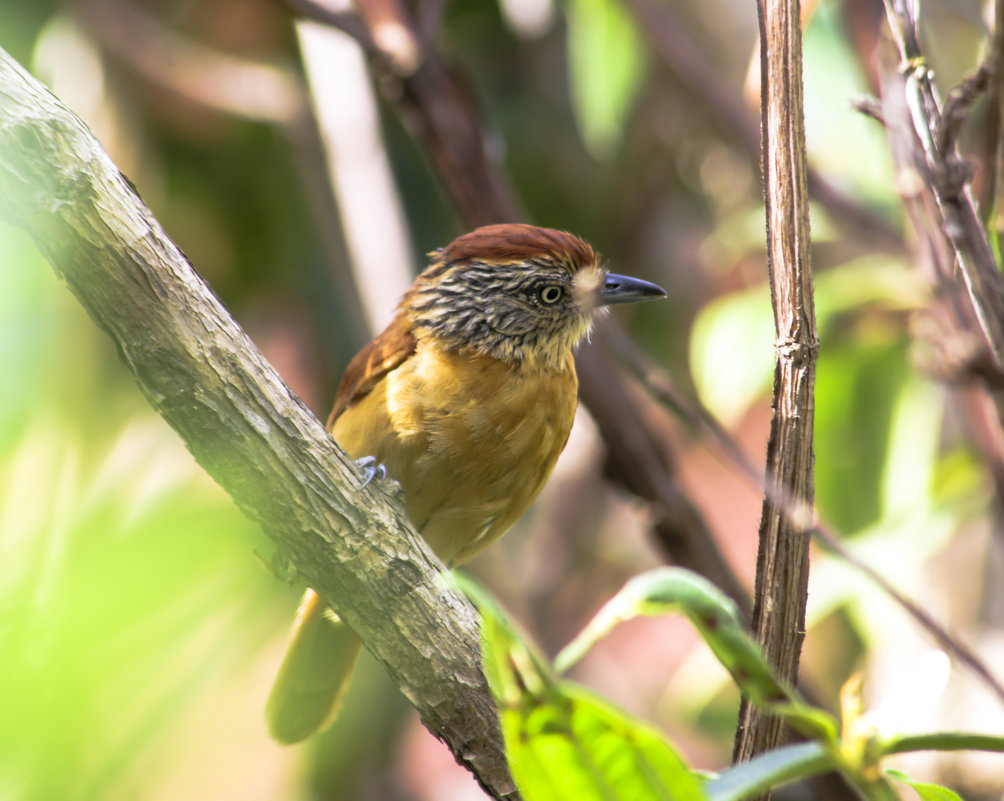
(314, 673)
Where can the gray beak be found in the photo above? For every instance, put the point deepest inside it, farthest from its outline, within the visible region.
(624, 289)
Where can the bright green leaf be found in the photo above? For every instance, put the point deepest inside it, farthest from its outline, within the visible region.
(943, 741)
(769, 771)
(605, 69)
(732, 351)
(574, 745)
(564, 742)
(925, 790)
(666, 590)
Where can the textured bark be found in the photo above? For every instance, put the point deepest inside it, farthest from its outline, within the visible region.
(241, 422)
(783, 554)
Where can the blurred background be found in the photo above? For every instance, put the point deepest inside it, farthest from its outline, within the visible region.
(139, 626)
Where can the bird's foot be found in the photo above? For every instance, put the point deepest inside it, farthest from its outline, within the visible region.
(371, 470)
(279, 564)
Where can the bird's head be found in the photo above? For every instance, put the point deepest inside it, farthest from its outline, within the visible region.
(518, 293)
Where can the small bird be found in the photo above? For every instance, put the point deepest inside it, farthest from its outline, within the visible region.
(467, 399)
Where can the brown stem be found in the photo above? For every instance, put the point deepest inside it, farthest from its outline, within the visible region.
(783, 554)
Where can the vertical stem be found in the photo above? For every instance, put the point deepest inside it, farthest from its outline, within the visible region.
(783, 555)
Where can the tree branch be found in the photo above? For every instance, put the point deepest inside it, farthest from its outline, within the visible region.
(783, 553)
(947, 176)
(243, 425)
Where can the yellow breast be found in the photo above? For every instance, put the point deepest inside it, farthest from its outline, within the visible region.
(471, 439)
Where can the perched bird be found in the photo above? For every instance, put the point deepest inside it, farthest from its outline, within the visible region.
(467, 399)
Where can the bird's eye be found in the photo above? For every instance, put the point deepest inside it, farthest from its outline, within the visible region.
(550, 294)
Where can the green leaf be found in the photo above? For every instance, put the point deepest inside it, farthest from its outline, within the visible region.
(925, 790)
(564, 742)
(732, 340)
(574, 745)
(732, 351)
(943, 741)
(769, 771)
(605, 69)
(669, 589)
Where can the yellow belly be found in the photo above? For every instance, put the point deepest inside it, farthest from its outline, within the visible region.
(471, 440)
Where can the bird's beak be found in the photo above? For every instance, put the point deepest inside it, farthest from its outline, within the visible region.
(623, 289)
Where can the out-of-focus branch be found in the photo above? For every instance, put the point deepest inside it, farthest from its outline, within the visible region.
(956, 345)
(251, 434)
(783, 553)
(702, 80)
(358, 170)
(947, 177)
(218, 81)
(639, 464)
(702, 421)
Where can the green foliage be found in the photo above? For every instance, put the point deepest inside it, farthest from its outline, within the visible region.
(606, 64)
(925, 791)
(770, 770)
(666, 590)
(126, 582)
(562, 740)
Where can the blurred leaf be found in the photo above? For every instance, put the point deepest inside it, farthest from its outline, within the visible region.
(732, 351)
(732, 341)
(117, 579)
(847, 146)
(605, 69)
(564, 742)
(769, 771)
(857, 385)
(926, 791)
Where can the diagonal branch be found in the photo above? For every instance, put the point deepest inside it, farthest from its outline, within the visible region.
(243, 425)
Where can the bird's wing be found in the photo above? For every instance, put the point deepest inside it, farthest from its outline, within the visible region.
(391, 347)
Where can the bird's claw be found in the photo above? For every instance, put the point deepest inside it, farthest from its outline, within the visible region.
(279, 565)
(371, 470)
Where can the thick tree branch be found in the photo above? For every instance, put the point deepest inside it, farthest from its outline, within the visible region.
(243, 425)
(783, 554)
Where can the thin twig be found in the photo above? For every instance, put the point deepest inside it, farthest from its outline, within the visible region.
(949, 231)
(960, 101)
(870, 107)
(832, 542)
(947, 178)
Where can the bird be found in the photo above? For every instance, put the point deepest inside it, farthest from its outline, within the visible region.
(466, 399)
